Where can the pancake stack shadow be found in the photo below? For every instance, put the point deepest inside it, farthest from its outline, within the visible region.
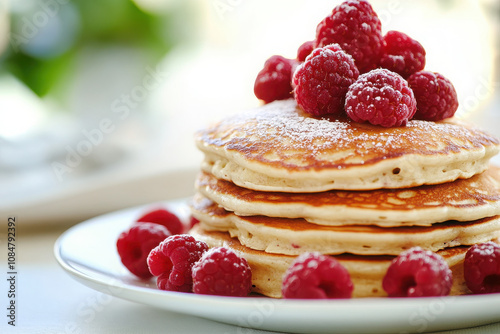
(276, 183)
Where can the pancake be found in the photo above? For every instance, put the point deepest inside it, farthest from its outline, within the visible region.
(295, 236)
(277, 148)
(366, 272)
(463, 200)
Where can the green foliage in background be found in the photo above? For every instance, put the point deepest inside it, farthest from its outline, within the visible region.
(87, 22)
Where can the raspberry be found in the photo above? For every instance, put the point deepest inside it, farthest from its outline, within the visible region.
(135, 244)
(402, 54)
(172, 261)
(436, 97)
(221, 272)
(316, 276)
(165, 218)
(418, 273)
(322, 81)
(192, 222)
(274, 81)
(482, 268)
(355, 26)
(380, 97)
(305, 50)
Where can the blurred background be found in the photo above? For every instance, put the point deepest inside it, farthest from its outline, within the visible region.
(99, 99)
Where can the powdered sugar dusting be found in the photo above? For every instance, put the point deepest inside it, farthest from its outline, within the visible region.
(280, 132)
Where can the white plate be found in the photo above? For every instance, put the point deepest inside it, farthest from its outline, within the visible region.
(87, 252)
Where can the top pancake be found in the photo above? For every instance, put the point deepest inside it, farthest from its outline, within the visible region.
(278, 148)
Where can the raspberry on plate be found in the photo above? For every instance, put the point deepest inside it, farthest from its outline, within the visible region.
(418, 273)
(305, 50)
(165, 218)
(482, 268)
(381, 97)
(402, 54)
(322, 81)
(316, 276)
(192, 222)
(436, 96)
(220, 271)
(274, 81)
(355, 26)
(172, 261)
(135, 244)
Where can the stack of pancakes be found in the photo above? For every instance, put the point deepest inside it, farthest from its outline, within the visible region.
(276, 183)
